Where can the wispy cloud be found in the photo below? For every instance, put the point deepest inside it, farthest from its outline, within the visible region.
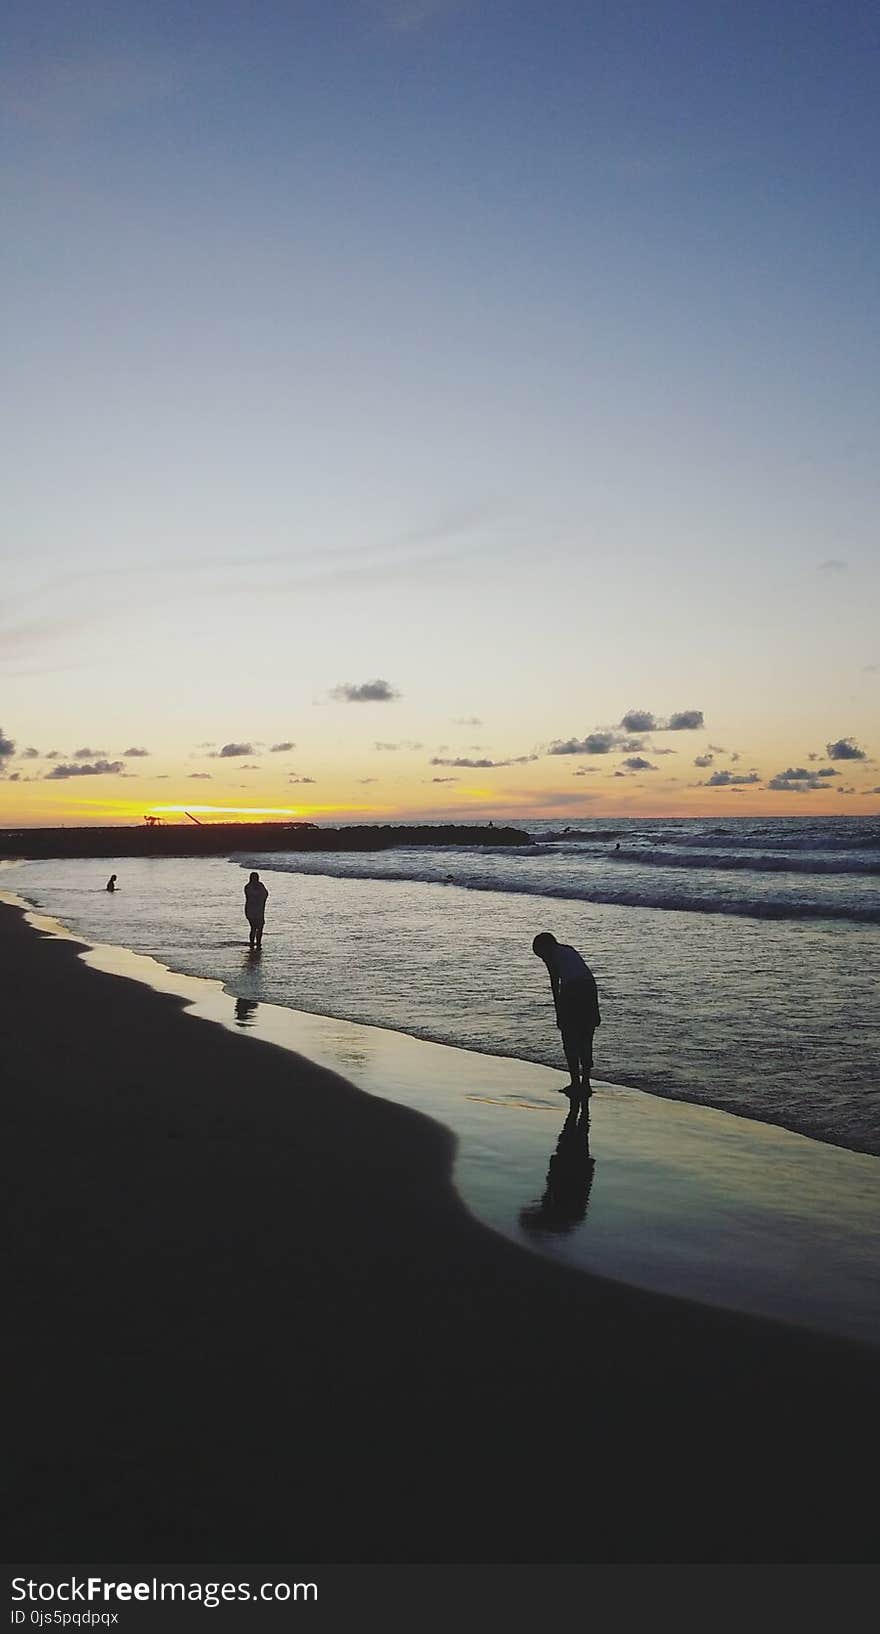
(101, 768)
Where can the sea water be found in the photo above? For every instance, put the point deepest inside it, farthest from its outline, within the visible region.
(737, 961)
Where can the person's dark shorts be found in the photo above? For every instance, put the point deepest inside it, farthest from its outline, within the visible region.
(577, 1019)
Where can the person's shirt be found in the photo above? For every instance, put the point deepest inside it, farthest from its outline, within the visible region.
(567, 970)
(255, 896)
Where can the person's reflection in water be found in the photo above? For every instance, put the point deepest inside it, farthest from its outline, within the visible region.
(569, 1178)
(244, 1011)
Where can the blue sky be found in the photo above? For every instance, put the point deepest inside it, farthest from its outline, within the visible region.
(523, 355)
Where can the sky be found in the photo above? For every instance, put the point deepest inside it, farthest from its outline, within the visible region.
(439, 409)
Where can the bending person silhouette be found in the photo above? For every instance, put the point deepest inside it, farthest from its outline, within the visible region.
(569, 1178)
(577, 1008)
(255, 895)
(111, 883)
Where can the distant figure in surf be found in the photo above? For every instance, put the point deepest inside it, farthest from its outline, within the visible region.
(255, 896)
(577, 1009)
(111, 883)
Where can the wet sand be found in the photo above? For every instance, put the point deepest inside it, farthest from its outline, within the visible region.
(250, 1319)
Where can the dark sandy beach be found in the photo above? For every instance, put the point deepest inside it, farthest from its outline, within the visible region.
(250, 1319)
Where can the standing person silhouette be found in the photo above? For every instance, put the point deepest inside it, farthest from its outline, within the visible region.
(255, 895)
(577, 1008)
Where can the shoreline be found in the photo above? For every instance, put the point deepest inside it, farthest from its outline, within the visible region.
(251, 1319)
(731, 1199)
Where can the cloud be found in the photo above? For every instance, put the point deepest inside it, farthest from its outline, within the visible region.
(408, 16)
(281, 748)
(135, 754)
(638, 720)
(467, 720)
(704, 760)
(636, 763)
(834, 564)
(101, 768)
(797, 780)
(827, 771)
(727, 780)
(845, 749)
(586, 771)
(716, 749)
(65, 94)
(366, 692)
(30, 754)
(253, 768)
(90, 754)
(7, 750)
(199, 777)
(595, 743)
(406, 743)
(481, 765)
(300, 780)
(444, 779)
(233, 751)
(367, 780)
(734, 755)
(642, 720)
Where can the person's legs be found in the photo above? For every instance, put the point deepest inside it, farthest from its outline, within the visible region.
(572, 1056)
(259, 932)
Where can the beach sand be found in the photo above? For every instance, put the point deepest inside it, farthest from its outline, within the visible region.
(250, 1319)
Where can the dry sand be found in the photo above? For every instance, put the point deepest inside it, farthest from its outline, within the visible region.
(250, 1320)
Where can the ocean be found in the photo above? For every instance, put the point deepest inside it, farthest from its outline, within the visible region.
(737, 961)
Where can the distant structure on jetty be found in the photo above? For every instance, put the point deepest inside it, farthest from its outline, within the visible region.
(157, 839)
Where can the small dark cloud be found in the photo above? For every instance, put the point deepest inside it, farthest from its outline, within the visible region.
(100, 768)
(687, 720)
(367, 780)
(233, 751)
(704, 760)
(253, 768)
(481, 765)
(300, 780)
(444, 779)
(834, 564)
(595, 743)
(637, 763)
(89, 754)
(281, 748)
(796, 780)
(54, 754)
(199, 777)
(631, 746)
(30, 754)
(827, 771)
(716, 749)
(812, 757)
(366, 692)
(406, 743)
(7, 749)
(845, 749)
(585, 771)
(728, 780)
(734, 756)
(638, 720)
(135, 754)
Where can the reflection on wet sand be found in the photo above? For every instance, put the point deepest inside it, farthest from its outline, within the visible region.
(245, 1011)
(569, 1178)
